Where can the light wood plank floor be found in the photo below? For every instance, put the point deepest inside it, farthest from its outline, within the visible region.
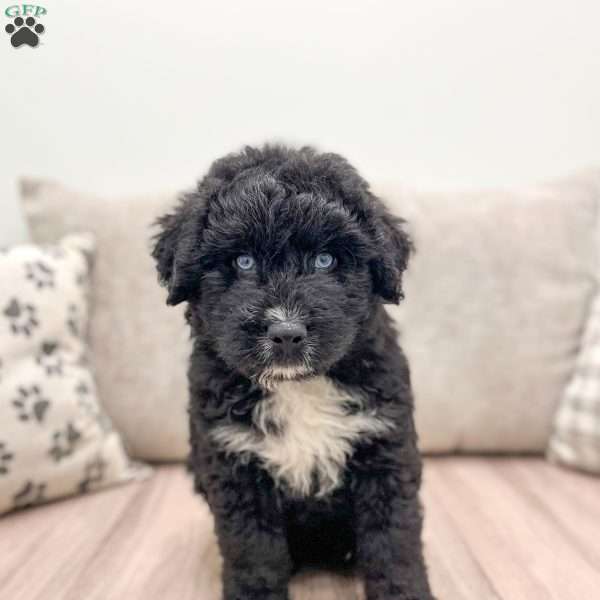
(513, 529)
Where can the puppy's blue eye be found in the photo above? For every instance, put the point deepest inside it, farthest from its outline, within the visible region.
(324, 260)
(245, 262)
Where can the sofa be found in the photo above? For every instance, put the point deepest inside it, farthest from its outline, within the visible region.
(497, 325)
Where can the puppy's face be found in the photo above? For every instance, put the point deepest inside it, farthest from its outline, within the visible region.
(286, 283)
(280, 279)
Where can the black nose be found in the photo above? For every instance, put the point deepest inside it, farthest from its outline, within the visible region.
(287, 335)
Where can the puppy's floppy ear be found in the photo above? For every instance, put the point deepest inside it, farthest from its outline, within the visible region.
(176, 248)
(393, 247)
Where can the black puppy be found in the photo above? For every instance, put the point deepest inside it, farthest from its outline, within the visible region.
(301, 414)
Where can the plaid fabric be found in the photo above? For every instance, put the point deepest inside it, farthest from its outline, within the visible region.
(575, 440)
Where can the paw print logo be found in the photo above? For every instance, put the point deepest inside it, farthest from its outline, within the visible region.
(24, 31)
(31, 404)
(49, 358)
(22, 317)
(5, 458)
(63, 442)
(40, 274)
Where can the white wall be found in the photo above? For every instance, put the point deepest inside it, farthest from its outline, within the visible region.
(138, 95)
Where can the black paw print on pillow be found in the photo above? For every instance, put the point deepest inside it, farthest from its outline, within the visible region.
(85, 401)
(5, 459)
(22, 317)
(93, 474)
(74, 320)
(29, 495)
(30, 404)
(40, 274)
(49, 358)
(64, 442)
(81, 278)
(24, 32)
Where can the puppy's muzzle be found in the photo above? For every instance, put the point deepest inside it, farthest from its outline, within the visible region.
(288, 339)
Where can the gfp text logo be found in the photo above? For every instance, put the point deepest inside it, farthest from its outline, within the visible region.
(25, 29)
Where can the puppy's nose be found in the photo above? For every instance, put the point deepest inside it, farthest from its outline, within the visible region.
(287, 335)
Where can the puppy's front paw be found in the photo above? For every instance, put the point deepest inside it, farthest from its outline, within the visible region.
(266, 586)
(255, 595)
(409, 588)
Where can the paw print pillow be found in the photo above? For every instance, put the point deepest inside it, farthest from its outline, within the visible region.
(55, 440)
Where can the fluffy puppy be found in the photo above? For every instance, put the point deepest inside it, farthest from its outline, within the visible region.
(301, 415)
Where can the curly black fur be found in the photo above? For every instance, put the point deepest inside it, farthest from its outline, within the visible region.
(283, 206)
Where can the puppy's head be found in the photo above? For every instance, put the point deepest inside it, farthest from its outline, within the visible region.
(282, 255)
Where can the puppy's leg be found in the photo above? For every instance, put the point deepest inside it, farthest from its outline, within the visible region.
(256, 564)
(251, 534)
(388, 530)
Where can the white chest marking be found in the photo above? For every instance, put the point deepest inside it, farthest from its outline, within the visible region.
(303, 434)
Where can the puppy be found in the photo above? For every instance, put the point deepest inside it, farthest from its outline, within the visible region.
(301, 415)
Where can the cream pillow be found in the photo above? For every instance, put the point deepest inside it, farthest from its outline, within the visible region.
(575, 440)
(55, 440)
(140, 347)
(496, 299)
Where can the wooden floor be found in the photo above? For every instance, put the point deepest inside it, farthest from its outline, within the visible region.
(514, 529)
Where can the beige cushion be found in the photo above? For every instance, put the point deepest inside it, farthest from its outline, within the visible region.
(140, 346)
(55, 440)
(496, 295)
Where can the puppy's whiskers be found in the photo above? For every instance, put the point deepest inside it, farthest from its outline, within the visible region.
(271, 375)
(285, 313)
